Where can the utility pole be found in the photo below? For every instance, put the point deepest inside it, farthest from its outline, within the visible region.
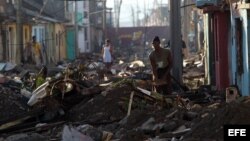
(137, 14)
(185, 20)
(133, 15)
(19, 31)
(104, 20)
(196, 30)
(76, 29)
(117, 10)
(175, 39)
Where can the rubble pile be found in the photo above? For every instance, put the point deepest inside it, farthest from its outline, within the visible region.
(211, 121)
(11, 103)
(194, 71)
(79, 104)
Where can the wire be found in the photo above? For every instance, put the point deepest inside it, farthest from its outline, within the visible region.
(25, 18)
(41, 10)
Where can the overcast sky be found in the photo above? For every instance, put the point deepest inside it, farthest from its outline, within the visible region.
(126, 14)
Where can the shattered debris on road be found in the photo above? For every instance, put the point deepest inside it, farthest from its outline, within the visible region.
(75, 101)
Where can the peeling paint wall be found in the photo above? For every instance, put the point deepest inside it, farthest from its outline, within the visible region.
(242, 80)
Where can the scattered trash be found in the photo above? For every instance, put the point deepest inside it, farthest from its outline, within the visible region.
(122, 108)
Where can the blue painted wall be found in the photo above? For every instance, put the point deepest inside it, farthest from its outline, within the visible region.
(241, 80)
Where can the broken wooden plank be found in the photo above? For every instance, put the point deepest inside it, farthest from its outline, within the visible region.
(130, 103)
(171, 114)
(144, 91)
(13, 123)
(105, 84)
(40, 128)
(10, 124)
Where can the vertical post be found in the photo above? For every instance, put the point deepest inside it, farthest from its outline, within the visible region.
(145, 31)
(196, 30)
(175, 39)
(59, 45)
(104, 20)
(76, 29)
(19, 31)
(185, 21)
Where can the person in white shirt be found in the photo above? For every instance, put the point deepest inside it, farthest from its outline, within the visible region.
(107, 54)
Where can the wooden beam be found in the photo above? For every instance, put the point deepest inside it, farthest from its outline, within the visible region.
(208, 9)
(130, 103)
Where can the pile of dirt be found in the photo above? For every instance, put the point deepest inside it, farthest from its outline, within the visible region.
(108, 112)
(12, 103)
(210, 123)
(109, 106)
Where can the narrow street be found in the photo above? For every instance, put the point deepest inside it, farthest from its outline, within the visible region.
(82, 71)
(77, 101)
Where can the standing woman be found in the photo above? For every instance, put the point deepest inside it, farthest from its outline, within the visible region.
(107, 54)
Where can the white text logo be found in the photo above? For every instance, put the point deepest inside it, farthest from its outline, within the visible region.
(237, 132)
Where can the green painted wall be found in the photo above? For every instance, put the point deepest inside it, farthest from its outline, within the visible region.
(70, 44)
